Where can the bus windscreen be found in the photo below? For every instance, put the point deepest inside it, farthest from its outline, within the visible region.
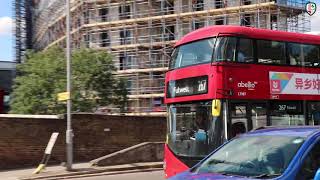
(198, 52)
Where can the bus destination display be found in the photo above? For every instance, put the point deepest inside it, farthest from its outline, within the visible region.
(288, 107)
(187, 87)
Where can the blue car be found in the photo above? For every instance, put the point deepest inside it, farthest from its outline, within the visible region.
(286, 153)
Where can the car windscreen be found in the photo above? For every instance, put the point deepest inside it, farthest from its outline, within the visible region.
(253, 156)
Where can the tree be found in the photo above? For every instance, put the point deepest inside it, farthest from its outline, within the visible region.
(43, 76)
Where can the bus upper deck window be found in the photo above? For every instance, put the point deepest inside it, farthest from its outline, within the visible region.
(303, 54)
(295, 53)
(311, 55)
(225, 49)
(245, 50)
(271, 52)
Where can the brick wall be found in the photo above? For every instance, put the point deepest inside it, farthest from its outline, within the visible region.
(23, 140)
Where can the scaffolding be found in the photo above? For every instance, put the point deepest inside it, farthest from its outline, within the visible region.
(141, 33)
(22, 30)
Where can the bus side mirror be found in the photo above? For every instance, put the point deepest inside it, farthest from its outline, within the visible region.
(317, 175)
(216, 107)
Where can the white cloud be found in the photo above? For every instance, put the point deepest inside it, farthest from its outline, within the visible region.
(6, 25)
(315, 21)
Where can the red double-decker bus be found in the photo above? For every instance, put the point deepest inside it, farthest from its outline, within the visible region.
(226, 80)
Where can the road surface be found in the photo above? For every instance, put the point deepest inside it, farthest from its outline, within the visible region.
(151, 175)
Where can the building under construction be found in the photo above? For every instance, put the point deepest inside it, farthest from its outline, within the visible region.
(141, 33)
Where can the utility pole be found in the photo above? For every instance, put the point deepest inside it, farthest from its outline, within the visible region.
(69, 133)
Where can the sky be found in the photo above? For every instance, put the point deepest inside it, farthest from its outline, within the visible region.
(6, 24)
(315, 19)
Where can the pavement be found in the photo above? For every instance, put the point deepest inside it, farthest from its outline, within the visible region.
(79, 170)
(150, 175)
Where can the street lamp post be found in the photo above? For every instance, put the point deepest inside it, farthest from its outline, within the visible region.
(69, 133)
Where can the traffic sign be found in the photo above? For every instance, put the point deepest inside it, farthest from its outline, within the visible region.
(63, 96)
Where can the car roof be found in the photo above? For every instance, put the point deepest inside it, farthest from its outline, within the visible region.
(298, 131)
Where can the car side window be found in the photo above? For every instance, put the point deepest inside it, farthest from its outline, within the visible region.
(310, 164)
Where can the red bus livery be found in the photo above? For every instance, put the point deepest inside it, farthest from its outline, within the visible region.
(226, 80)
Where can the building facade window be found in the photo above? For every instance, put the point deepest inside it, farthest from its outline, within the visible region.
(197, 5)
(125, 37)
(105, 39)
(125, 11)
(103, 14)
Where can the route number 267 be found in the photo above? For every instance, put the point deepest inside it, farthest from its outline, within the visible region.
(282, 107)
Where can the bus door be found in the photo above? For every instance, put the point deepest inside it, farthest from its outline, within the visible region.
(259, 116)
(239, 121)
(245, 116)
(313, 115)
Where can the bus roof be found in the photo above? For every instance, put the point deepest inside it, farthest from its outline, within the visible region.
(250, 32)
